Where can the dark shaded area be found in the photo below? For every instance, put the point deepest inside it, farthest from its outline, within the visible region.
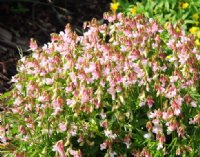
(21, 20)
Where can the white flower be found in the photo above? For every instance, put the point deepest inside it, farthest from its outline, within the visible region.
(103, 115)
(193, 104)
(155, 122)
(147, 135)
(128, 144)
(62, 127)
(152, 115)
(160, 146)
(41, 98)
(177, 111)
(112, 154)
(103, 146)
(19, 87)
(157, 128)
(109, 134)
(173, 79)
(198, 57)
(142, 103)
(35, 55)
(48, 81)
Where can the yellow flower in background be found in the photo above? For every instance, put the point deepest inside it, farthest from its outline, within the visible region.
(195, 16)
(114, 6)
(197, 42)
(166, 25)
(198, 34)
(134, 10)
(185, 5)
(193, 30)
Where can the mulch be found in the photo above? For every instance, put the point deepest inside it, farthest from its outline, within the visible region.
(21, 20)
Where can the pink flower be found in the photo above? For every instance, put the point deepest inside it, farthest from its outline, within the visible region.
(171, 126)
(73, 77)
(18, 101)
(154, 26)
(155, 121)
(57, 105)
(62, 127)
(161, 138)
(172, 91)
(112, 92)
(167, 114)
(157, 129)
(195, 120)
(127, 141)
(149, 125)
(80, 139)
(183, 57)
(103, 115)
(69, 88)
(85, 96)
(75, 153)
(33, 45)
(118, 89)
(104, 123)
(110, 18)
(176, 106)
(73, 130)
(173, 79)
(59, 147)
(95, 75)
(150, 101)
(181, 131)
(145, 153)
(71, 102)
(103, 146)
(48, 81)
(44, 98)
(91, 68)
(155, 66)
(138, 70)
(19, 87)
(81, 76)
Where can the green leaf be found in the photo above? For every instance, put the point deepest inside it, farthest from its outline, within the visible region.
(5, 95)
(167, 5)
(189, 21)
(184, 16)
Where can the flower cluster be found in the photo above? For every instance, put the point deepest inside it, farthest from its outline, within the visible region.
(122, 89)
(176, 11)
(184, 5)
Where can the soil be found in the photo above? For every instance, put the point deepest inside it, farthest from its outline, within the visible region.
(21, 20)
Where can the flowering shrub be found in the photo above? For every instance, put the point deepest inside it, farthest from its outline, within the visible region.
(126, 88)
